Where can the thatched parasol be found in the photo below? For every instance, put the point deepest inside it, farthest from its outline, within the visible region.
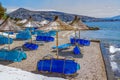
(9, 26)
(79, 25)
(57, 25)
(30, 24)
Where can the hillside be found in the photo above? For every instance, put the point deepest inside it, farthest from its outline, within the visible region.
(48, 15)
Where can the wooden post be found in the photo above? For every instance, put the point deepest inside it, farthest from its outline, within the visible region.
(31, 34)
(75, 38)
(8, 42)
(79, 34)
(57, 43)
(2, 33)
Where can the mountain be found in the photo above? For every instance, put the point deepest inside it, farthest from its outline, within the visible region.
(48, 15)
(116, 17)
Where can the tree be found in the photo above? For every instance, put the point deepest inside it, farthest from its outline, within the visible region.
(2, 11)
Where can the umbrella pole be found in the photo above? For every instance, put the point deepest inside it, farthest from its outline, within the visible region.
(31, 35)
(79, 34)
(8, 42)
(75, 37)
(57, 43)
(2, 33)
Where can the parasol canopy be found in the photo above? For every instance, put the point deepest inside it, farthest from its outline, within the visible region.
(78, 24)
(9, 26)
(44, 22)
(58, 25)
(30, 23)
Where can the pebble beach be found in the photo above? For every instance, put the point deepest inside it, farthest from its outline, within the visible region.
(91, 61)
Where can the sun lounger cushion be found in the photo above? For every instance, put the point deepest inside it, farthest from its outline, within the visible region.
(31, 46)
(50, 33)
(26, 34)
(63, 46)
(72, 40)
(10, 33)
(32, 30)
(59, 66)
(12, 55)
(76, 50)
(83, 42)
(5, 40)
(80, 41)
(44, 38)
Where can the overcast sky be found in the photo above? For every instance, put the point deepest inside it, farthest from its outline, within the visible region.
(94, 8)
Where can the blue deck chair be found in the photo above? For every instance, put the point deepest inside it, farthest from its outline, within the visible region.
(72, 40)
(12, 55)
(45, 38)
(63, 66)
(83, 42)
(31, 46)
(80, 41)
(26, 34)
(76, 50)
(63, 46)
(5, 40)
(10, 33)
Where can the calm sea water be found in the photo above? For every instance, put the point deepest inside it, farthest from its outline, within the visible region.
(109, 33)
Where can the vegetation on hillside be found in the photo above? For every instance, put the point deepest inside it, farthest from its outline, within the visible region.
(2, 11)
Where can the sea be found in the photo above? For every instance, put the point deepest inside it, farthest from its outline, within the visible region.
(109, 34)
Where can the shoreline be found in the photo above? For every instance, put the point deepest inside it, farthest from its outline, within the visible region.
(109, 72)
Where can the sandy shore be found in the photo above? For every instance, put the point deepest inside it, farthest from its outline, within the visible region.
(91, 62)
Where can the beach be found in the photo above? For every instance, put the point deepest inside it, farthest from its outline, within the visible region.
(91, 61)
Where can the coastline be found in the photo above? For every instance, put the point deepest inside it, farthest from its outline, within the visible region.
(109, 72)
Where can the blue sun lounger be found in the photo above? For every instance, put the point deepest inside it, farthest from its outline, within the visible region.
(63, 46)
(11, 33)
(76, 50)
(12, 55)
(42, 33)
(80, 41)
(45, 38)
(83, 42)
(63, 66)
(31, 46)
(25, 33)
(5, 40)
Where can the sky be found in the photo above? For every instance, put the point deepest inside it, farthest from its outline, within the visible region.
(93, 8)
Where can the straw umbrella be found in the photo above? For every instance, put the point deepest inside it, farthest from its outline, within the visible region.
(30, 24)
(57, 25)
(9, 26)
(79, 25)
